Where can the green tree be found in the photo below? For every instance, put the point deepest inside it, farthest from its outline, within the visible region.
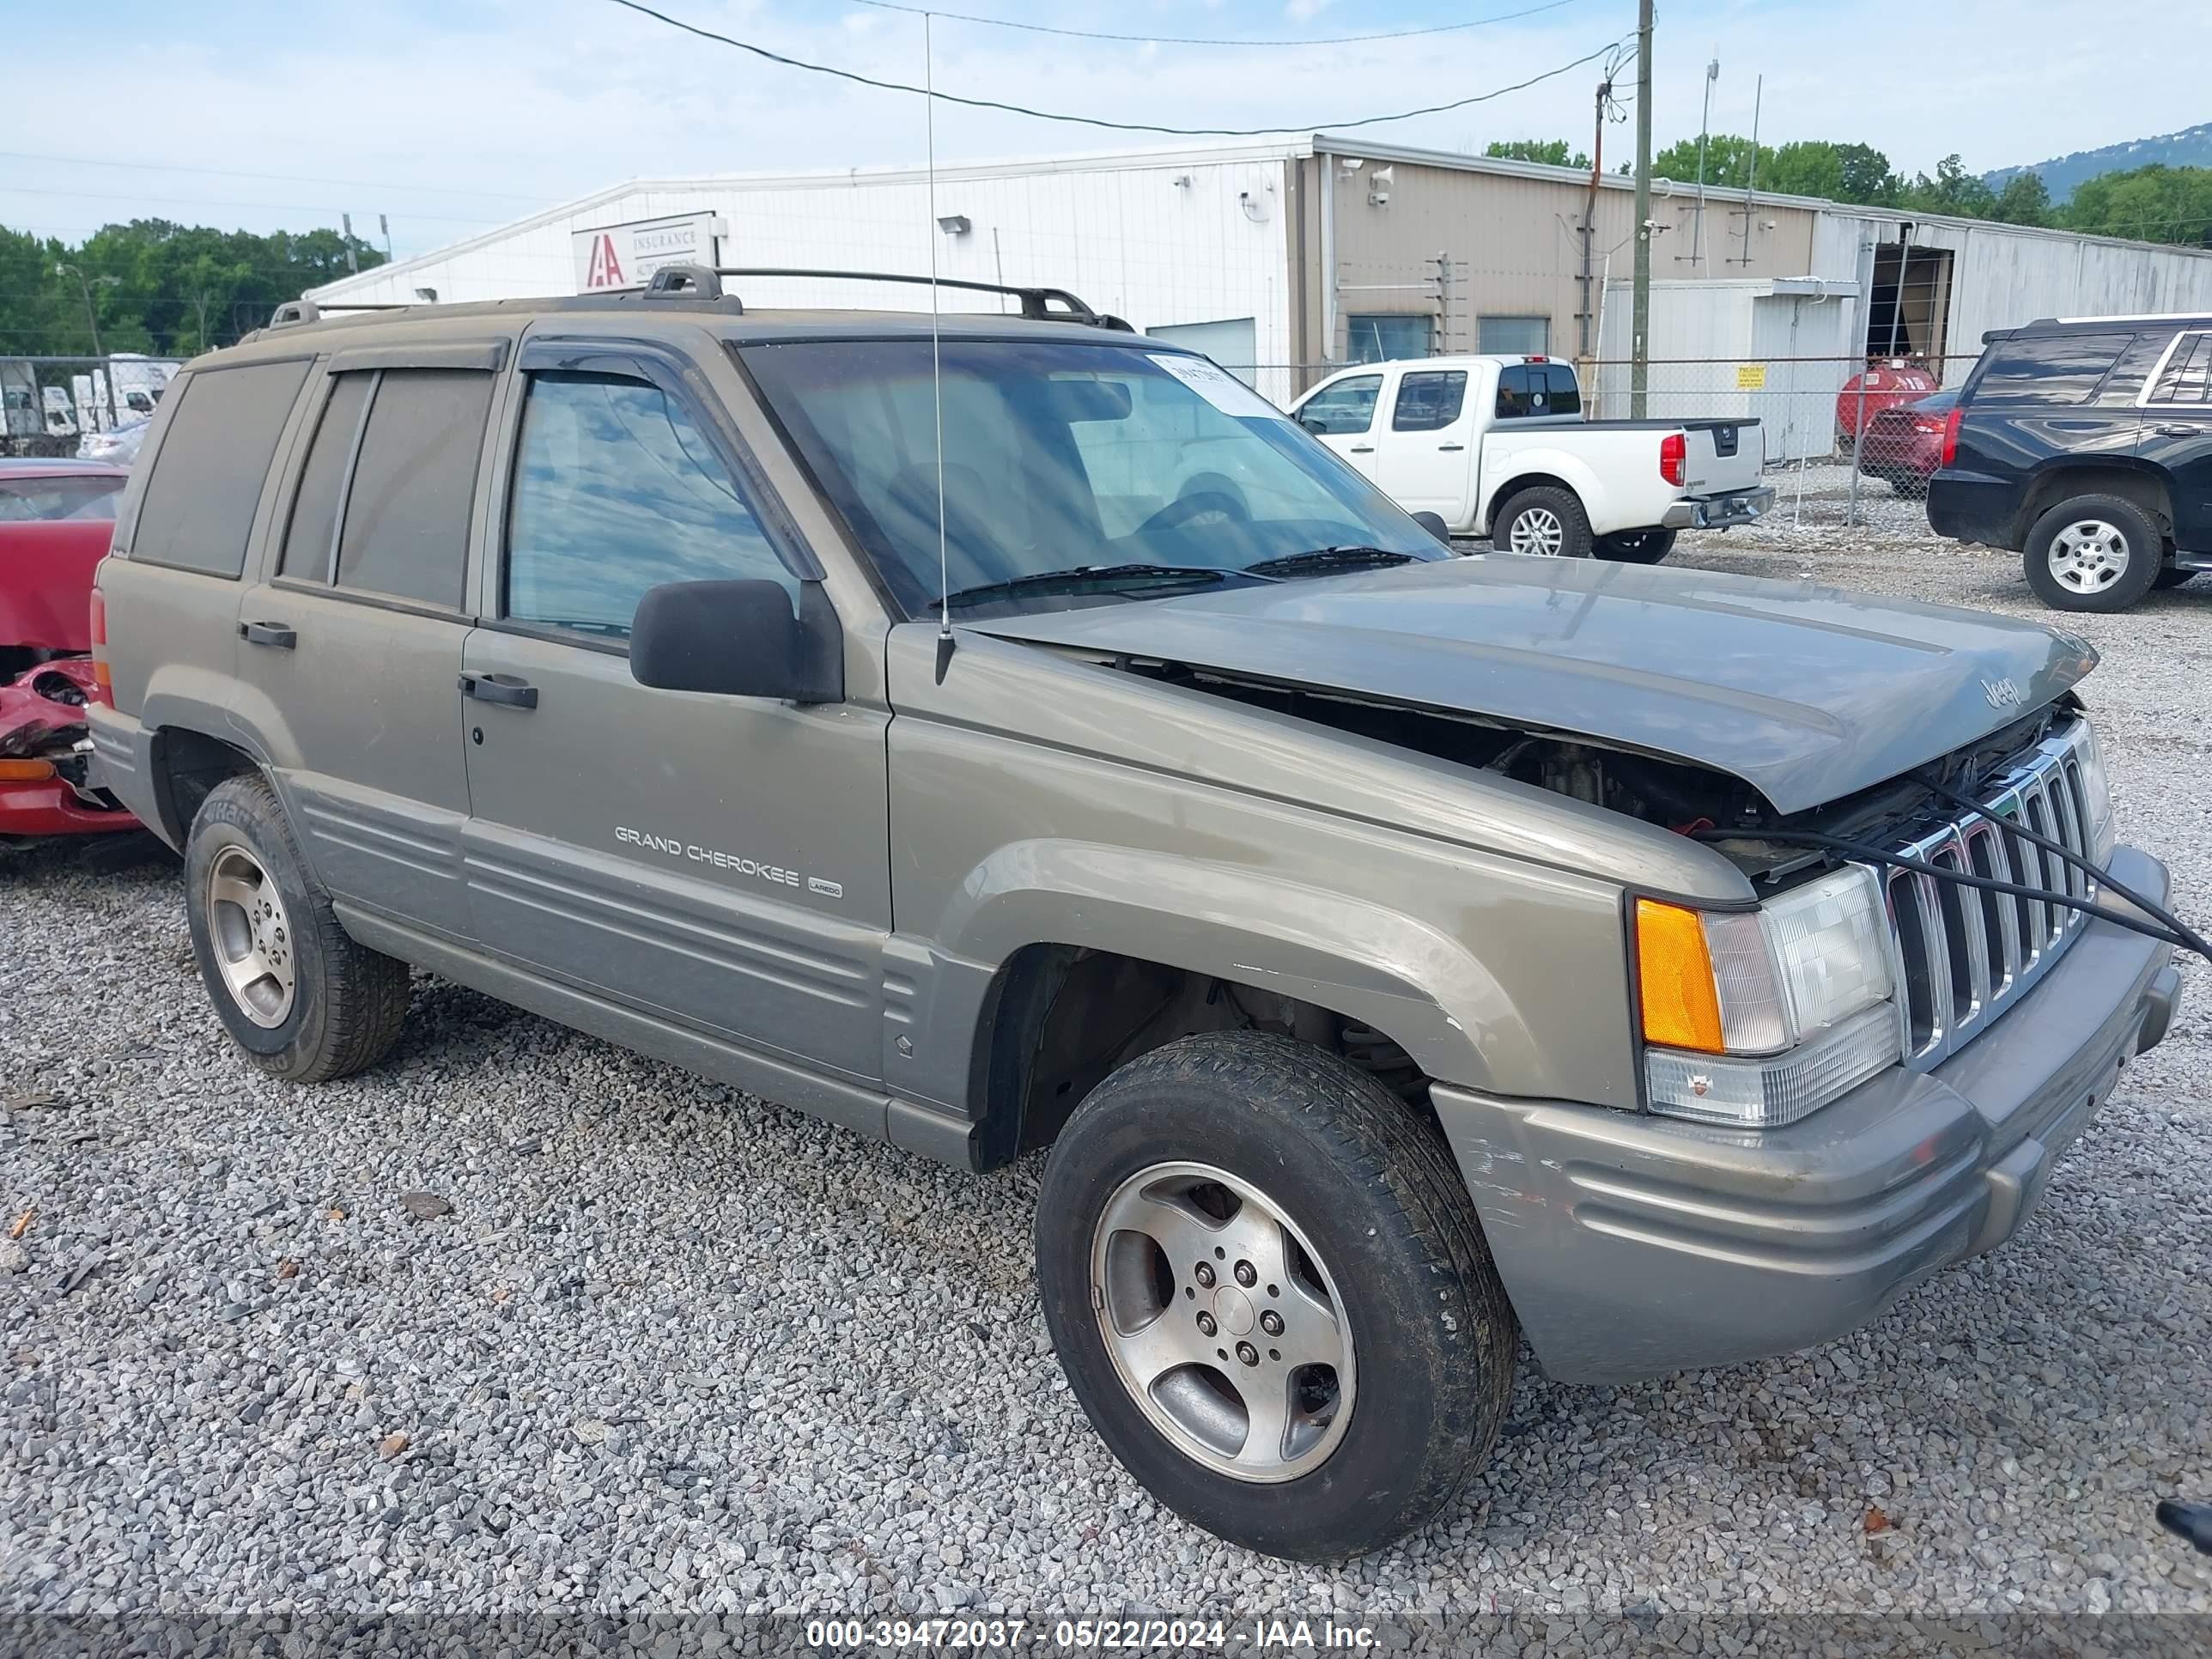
(1553, 152)
(1952, 190)
(2023, 200)
(2154, 203)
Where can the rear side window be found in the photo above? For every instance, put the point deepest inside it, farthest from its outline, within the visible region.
(2049, 369)
(2186, 377)
(1348, 406)
(1564, 391)
(1527, 390)
(406, 531)
(314, 523)
(198, 507)
(616, 492)
(1429, 400)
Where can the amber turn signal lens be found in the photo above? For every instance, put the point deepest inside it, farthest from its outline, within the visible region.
(1674, 971)
(26, 771)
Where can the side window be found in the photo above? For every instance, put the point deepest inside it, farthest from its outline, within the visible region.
(406, 529)
(2049, 369)
(314, 523)
(1520, 392)
(616, 492)
(1429, 401)
(1348, 406)
(2187, 377)
(1565, 391)
(199, 503)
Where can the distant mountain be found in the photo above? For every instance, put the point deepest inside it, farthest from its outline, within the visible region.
(2191, 147)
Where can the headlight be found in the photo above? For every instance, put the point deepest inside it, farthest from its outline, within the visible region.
(2096, 794)
(1756, 1018)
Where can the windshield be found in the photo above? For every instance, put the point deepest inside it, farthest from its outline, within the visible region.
(1063, 457)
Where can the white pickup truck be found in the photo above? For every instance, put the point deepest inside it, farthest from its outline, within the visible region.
(1498, 446)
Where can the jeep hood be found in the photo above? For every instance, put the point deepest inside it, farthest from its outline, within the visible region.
(1806, 693)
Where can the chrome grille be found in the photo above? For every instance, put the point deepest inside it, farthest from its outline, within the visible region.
(1962, 956)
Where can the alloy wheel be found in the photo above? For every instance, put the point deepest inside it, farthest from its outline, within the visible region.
(1223, 1323)
(2088, 555)
(250, 935)
(1538, 529)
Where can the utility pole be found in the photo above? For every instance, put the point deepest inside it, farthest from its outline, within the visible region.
(1705, 127)
(1639, 373)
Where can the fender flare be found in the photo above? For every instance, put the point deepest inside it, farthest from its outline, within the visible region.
(1534, 467)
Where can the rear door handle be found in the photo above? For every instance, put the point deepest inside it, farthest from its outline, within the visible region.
(2185, 431)
(266, 633)
(509, 689)
(1362, 449)
(1451, 446)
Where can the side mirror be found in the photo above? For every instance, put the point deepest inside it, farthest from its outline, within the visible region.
(1435, 524)
(738, 639)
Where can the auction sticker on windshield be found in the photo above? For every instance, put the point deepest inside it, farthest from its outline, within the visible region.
(1218, 387)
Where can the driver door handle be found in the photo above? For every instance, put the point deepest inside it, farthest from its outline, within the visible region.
(2184, 431)
(268, 633)
(1362, 449)
(1451, 446)
(509, 689)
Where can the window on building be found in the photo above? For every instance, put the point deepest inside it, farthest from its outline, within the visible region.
(406, 531)
(1348, 406)
(200, 502)
(2049, 369)
(1513, 337)
(1429, 401)
(616, 491)
(1383, 338)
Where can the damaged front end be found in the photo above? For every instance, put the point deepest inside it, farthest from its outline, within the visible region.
(45, 752)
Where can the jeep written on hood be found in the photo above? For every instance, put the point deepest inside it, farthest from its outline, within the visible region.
(1807, 693)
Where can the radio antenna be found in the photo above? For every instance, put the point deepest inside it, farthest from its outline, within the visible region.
(936, 364)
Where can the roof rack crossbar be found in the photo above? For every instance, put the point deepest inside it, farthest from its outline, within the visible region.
(690, 282)
(1035, 301)
(304, 310)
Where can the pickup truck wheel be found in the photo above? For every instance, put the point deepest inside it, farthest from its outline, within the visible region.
(291, 987)
(1269, 1290)
(1636, 546)
(2092, 553)
(1544, 520)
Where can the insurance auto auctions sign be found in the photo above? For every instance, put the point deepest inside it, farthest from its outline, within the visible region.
(626, 256)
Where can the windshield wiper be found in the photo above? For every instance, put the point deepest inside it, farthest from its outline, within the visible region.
(1080, 578)
(1322, 559)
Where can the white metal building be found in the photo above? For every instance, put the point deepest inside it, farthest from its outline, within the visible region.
(1287, 258)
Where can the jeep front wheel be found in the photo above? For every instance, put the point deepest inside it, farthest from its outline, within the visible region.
(1269, 1290)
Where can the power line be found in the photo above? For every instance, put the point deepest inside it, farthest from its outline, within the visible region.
(1206, 40)
(285, 178)
(1096, 120)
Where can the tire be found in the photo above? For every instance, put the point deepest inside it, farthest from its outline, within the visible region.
(2169, 576)
(1636, 546)
(342, 1008)
(1552, 513)
(1367, 1192)
(2092, 553)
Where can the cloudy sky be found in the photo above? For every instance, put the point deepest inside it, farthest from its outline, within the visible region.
(451, 115)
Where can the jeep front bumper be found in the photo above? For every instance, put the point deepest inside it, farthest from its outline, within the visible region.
(1633, 1246)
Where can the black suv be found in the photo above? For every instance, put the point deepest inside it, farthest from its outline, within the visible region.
(2085, 444)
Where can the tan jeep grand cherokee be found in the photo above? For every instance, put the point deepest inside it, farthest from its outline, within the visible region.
(1392, 954)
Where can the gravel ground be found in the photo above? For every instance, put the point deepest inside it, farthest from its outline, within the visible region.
(671, 1349)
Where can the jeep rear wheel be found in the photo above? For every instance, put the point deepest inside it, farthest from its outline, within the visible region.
(1269, 1290)
(291, 988)
(2092, 553)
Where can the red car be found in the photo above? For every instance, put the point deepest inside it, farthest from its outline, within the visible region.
(1906, 445)
(57, 518)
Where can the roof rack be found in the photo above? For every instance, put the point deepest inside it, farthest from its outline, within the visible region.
(293, 311)
(1036, 302)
